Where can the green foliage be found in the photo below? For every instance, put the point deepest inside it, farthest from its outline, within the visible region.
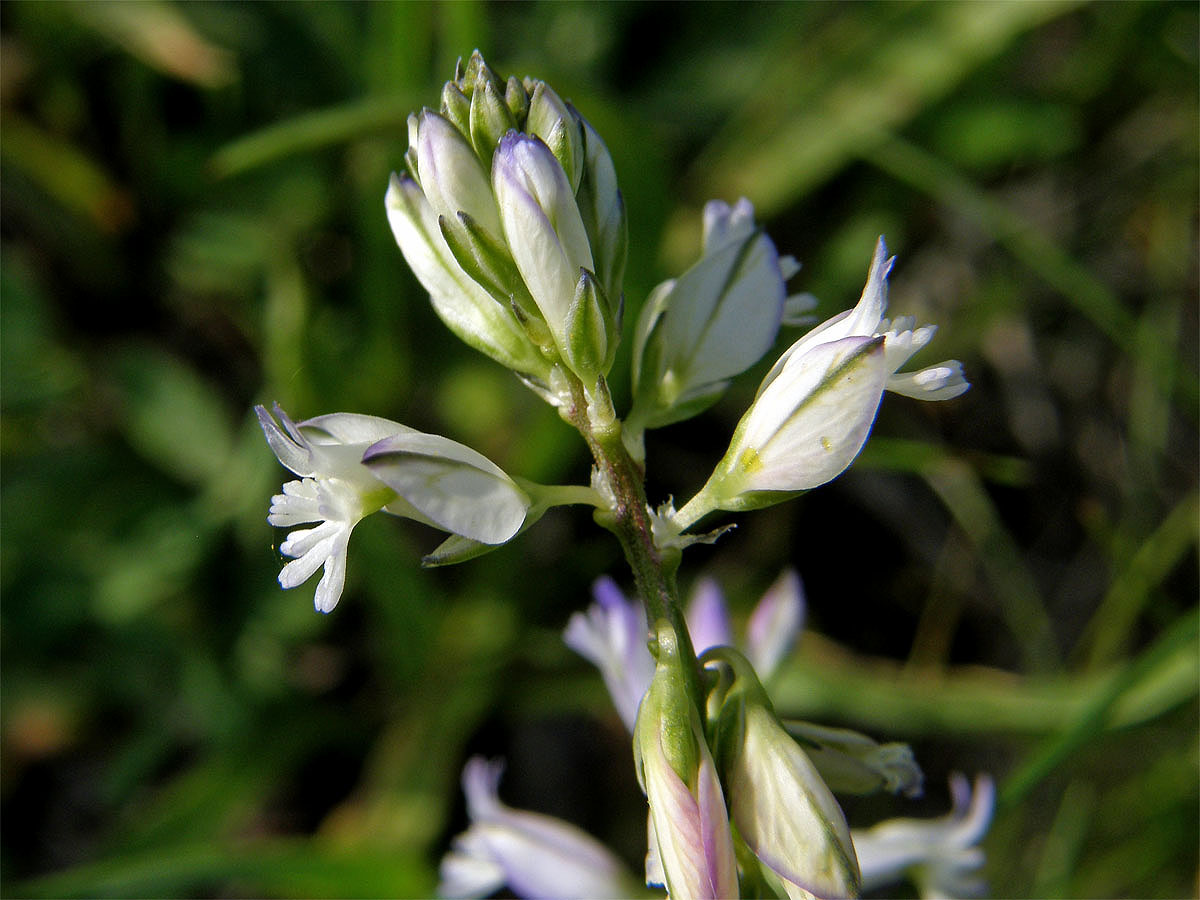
(1007, 580)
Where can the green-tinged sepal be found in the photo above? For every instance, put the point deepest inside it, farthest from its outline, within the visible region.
(603, 210)
(782, 808)
(487, 261)
(556, 124)
(516, 98)
(456, 106)
(591, 339)
(490, 117)
(852, 763)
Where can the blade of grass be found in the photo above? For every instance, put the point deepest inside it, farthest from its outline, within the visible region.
(280, 867)
(931, 50)
(1090, 296)
(1179, 642)
(1020, 600)
(311, 131)
(825, 681)
(1107, 632)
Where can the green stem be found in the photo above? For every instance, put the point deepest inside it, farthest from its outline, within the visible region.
(629, 519)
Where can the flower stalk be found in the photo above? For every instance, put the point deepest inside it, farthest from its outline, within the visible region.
(628, 517)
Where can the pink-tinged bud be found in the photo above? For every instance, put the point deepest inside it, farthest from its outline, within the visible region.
(693, 840)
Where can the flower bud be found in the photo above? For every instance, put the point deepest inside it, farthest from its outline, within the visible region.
(710, 324)
(675, 768)
(544, 231)
(559, 128)
(781, 807)
(451, 175)
(490, 118)
(522, 193)
(466, 308)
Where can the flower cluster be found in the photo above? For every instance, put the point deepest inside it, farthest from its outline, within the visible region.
(509, 214)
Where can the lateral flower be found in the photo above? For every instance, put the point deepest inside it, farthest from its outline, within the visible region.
(688, 819)
(815, 407)
(534, 855)
(335, 490)
(713, 322)
(941, 855)
(354, 465)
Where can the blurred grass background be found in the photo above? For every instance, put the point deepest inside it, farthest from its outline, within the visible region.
(192, 200)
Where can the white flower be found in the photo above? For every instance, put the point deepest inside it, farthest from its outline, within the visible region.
(713, 322)
(335, 490)
(815, 407)
(354, 465)
(940, 855)
(534, 855)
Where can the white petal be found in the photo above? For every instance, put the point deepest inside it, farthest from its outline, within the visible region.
(807, 440)
(944, 381)
(452, 176)
(458, 489)
(542, 225)
(329, 588)
(708, 617)
(297, 504)
(289, 448)
(775, 624)
(350, 428)
(301, 569)
(873, 302)
(302, 541)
